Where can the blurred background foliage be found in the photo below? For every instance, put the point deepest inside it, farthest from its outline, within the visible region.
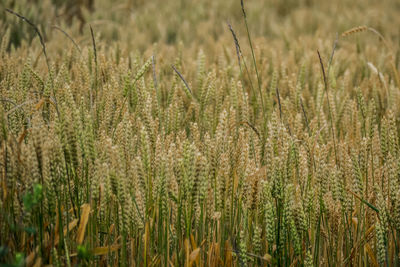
(279, 28)
(204, 21)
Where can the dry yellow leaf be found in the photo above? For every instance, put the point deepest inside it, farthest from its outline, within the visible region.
(267, 257)
(38, 262)
(82, 225)
(371, 255)
(70, 227)
(39, 104)
(192, 241)
(105, 250)
(187, 248)
(194, 256)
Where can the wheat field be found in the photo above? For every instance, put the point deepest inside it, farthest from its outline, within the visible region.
(199, 133)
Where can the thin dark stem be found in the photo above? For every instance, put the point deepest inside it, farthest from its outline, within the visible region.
(68, 36)
(329, 105)
(305, 116)
(153, 62)
(43, 48)
(9, 101)
(333, 52)
(280, 110)
(55, 105)
(94, 44)
(253, 56)
(95, 61)
(279, 102)
(19, 106)
(37, 32)
(183, 79)
(253, 128)
(323, 70)
(240, 54)
(237, 46)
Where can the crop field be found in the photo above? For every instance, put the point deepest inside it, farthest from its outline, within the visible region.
(199, 133)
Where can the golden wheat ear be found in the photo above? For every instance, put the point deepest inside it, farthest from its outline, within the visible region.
(354, 30)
